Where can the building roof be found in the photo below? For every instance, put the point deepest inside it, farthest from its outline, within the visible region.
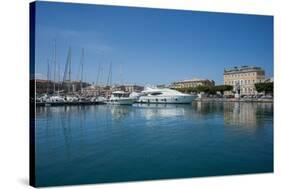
(194, 80)
(242, 69)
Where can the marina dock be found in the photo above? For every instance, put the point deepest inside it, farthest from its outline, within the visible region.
(67, 103)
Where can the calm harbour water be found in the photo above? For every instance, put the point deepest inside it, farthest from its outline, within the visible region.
(95, 144)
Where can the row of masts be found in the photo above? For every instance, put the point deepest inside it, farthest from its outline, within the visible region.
(68, 72)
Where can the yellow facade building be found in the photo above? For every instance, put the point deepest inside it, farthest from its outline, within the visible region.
(191, 83)
(244, 78)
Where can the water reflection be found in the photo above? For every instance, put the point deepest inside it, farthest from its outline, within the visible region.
(235, 113)
(232, 112)
(74, 143)
(155, 111)
(68, 121)
(120, 112)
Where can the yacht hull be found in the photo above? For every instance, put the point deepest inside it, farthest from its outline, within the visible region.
(167, 99)
(121, 101)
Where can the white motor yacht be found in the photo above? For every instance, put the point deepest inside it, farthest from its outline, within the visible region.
(121, 98)
(165, 96)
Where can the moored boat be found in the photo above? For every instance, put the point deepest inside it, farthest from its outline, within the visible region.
(121, 98)
(165, 96)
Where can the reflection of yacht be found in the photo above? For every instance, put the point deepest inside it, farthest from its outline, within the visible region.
(165, 96)
(120, 112)
(121, 98)
(150, 111)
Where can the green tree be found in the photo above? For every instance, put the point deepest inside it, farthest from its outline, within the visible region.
(264, 87)
(223, 88)
(206, 89)
(202, 88)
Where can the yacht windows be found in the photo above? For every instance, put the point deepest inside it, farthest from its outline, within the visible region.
(119, 95)
(156, 93)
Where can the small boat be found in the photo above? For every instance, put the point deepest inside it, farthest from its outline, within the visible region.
(55, 98)
(121, 98)
(98, 99)
(165, 96)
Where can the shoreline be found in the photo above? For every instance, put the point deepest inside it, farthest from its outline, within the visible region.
(233, 100)
(196, 100)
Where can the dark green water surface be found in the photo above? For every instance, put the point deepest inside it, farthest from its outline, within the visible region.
(101, 143)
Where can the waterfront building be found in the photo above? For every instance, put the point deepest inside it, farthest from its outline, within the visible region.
(92, 90)
(191, 83)
(128, 88)
(244, 78)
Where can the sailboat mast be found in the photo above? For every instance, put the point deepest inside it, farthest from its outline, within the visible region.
(121, 79)
(55, 64)
(58, 78)
(101, 75)
(69, 71)
(109, 78)
(48, 75)
(98, 75)
(82, 65)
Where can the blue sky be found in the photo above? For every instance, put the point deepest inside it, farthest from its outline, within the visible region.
(151, 46)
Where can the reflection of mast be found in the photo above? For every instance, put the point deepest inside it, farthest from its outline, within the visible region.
(67, 71)
(109, 78)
